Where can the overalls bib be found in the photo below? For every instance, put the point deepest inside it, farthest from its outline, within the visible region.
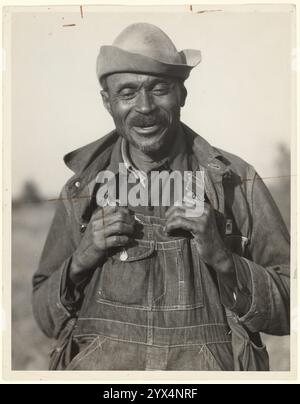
(153, 306)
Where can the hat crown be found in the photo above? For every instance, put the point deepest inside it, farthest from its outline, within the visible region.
(148, 40)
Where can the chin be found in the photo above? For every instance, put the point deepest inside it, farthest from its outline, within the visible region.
(149, 145)
(151, 149)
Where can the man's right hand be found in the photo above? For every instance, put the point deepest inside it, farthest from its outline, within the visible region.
(111, 226)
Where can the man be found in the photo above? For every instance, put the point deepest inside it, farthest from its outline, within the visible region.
(140, 286)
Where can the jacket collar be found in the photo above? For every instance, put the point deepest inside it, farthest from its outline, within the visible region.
(88, 160)
(78, 160)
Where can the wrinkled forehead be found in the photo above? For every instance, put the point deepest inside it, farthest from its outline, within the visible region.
(117, 80)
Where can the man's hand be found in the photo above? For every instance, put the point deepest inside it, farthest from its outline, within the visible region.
(204, 228)
(111, 226)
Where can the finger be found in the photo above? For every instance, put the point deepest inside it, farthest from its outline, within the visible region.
(116, 241)
(114, 218)
(101, 212)
(180, 222)
(124, 209)
(118, 228)
(189, 201)
(174, 210)
(109, 216)
(122, 215)
(109, 210)
(180, 209)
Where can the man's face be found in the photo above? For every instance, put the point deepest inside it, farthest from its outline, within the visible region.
(145, 108)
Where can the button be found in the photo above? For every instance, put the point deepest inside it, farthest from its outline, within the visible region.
(83, 228)
(228, 227)
(124, 255)
(77, 184)
(193, 195)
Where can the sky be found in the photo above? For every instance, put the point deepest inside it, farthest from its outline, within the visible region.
(239, 97)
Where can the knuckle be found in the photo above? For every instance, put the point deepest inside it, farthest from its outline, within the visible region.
(119, 226)
(179, 220)
(99, 248)
(122, 216)
(97, 244)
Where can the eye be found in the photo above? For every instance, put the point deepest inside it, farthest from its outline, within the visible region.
(127, 93)
(161, 89)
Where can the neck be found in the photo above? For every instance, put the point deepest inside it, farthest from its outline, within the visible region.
(145, 162)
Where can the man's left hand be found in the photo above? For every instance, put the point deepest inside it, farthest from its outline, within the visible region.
(204, 228)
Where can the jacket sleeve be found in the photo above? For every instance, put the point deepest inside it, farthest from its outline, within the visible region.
(49, 281)
(266, 273)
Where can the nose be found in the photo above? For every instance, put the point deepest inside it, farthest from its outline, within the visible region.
(144, 103)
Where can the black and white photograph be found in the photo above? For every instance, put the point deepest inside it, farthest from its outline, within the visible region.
(151, 174)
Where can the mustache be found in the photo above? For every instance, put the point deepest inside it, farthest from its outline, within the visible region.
(147, 120)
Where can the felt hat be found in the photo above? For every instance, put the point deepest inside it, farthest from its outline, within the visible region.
(145, 48)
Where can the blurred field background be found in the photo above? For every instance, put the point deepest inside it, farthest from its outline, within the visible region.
(30, 222)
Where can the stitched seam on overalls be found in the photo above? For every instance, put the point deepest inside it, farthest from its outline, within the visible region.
(163, 346)
(155, 308)
(146, 326)
(86, 335)
(88, 353)
(164, 245)
(180, 278)
(197, 272)
(164, 275)
(144, 255)
(209, 356)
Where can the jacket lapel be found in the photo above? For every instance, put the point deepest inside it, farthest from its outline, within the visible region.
(214, 169)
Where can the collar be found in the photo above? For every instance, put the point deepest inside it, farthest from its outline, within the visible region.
(87, 161)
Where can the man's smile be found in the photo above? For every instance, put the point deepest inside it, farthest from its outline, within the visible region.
(147, 129)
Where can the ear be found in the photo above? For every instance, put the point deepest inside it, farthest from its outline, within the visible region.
(183, 95)
(106, 101)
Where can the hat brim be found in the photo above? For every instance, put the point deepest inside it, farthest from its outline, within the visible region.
(113, 59)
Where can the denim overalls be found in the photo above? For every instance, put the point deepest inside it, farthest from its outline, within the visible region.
(153, 306)
(172, 326)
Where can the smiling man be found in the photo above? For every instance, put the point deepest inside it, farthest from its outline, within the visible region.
(156, 286)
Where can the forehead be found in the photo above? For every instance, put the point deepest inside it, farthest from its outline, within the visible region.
(117, 80)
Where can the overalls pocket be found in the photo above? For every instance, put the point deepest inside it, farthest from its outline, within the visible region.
(125, 276)
(88, 345)
(181, 270)
(65, 349)
(248, 356)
